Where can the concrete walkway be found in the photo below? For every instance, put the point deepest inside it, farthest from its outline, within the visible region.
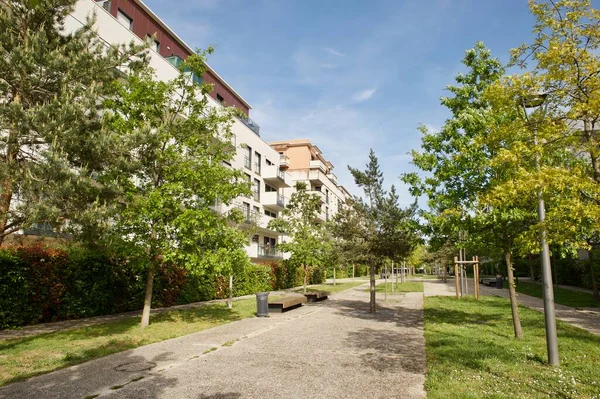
(588, 319)
(332, 349)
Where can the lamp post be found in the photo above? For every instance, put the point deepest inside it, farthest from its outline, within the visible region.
(531, 102)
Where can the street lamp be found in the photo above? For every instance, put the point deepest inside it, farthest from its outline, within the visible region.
(531, 102)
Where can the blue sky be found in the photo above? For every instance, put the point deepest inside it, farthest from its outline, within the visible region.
(347, 74)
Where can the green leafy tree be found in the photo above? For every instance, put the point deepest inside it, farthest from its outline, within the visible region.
(172, 175)
(306, 236)
(52, 142)
(350, 232)
(566, 61)
(464, 173)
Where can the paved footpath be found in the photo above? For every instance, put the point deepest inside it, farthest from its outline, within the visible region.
(587, 318)
(333, 349)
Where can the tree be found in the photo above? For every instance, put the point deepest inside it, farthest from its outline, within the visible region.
(173, 173)
(52, 142)
(371, 181)
(566, 68)
(461, 158)
(306, 236)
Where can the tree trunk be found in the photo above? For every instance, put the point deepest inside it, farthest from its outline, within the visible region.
(531, 269)
(304, 265)
(372, 305)
(334, 276)
(148, 297)
(513, 296)
(593, 275)
(7, 183)
(230, 304)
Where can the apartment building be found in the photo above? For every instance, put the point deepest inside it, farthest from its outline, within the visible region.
(305, 162)
(123, 21)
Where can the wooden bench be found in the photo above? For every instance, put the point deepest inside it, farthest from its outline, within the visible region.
(316, 296)
(287, 303)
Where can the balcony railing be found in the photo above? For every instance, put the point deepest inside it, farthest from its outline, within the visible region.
(176, 61)
(250, 124)
(247, 162)
(256, 195)
(268, 252)
(257, 168)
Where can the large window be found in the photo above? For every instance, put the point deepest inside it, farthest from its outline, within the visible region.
(256, 190)
(247, 157)
(257, 163)
(125, 19)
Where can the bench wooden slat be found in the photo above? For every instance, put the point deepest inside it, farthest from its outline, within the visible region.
(316, 296)
(286, 303)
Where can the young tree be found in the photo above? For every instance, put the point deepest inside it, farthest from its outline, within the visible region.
(52, 143)
(371, 181)
(306, 235)
(173, 173)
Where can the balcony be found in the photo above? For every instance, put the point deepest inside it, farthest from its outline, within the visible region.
(284, 161)
(268, 252)
(250, 124)
(273, 200)
(321, 216)
(333, 178)
(177, 61)
(318, 165)
(275, 177)
(319, 194)
(316, 176)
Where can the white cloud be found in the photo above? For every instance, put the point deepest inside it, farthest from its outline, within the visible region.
(334, 52)
(363, 95)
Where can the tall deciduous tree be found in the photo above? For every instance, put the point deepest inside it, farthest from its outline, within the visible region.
(174, 173)
(51, 140)
(460, 159)
(566, 67)
(306, 236)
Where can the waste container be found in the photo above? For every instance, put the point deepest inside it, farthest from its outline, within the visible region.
(262, 304)
(499, 282)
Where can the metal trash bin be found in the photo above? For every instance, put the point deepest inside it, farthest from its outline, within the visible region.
(499, 284)
(262, 304)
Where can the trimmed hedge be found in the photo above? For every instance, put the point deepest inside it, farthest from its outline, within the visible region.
(40, 284)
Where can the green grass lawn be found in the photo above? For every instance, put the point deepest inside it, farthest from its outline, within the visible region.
(24, 357)
(409, 286)
(472, 353)
(332, 288)
(563, 296)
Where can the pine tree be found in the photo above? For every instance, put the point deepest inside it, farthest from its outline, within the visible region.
(51, 84)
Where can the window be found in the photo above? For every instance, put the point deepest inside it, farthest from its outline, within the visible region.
(256, 190)
(272, 214)
(124, 19)
(247, 157)
(246, 211)
(152, 42)
(269, 189)
(257, 210)
(220, 98)
(257, 162)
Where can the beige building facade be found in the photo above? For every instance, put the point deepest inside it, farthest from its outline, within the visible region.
(305, 162)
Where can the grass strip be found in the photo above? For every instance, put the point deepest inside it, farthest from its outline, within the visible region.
(563, 296)
(408, 286)
(25, 357)
(472, 353)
